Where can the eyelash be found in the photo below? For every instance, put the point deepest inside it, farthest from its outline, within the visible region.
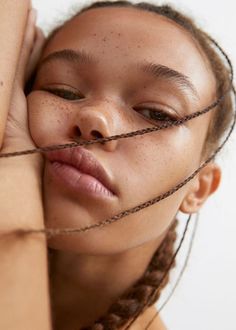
(61, 92)
(71, 96)
(165, 116)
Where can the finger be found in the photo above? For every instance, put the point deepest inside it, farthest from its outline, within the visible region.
(35, 54)
(27, 47)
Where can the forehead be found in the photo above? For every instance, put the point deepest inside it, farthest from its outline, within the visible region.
(119, 37)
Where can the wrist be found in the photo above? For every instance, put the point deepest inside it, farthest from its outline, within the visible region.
(8, 157)
(21, 204)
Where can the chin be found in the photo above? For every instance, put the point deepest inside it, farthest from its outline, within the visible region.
(93, 242)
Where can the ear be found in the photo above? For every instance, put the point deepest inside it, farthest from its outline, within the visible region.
(205, 183)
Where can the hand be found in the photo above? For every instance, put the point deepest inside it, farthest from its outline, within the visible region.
(17, 135)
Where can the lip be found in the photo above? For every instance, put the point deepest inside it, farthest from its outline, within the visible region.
(78, 164)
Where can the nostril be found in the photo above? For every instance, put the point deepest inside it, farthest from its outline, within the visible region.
(94, 133)
(77, 131)
(97, 135)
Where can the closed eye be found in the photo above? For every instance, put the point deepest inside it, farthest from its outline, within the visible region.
(63, 93)
(157, 114)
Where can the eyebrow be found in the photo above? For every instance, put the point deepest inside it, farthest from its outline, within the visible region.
(156, 70)
(69, 55)
(162, 71)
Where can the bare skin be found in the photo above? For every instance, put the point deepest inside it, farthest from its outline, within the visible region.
(12, 32)
(108, 97)
(24, 299)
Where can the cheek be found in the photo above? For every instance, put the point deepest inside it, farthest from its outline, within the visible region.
(47, 119)
(153, 165)
(161, 160)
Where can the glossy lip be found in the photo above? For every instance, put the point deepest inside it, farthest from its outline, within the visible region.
(84, 162)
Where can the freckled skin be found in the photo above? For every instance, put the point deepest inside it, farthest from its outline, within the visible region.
(111, 95)
(141, 167)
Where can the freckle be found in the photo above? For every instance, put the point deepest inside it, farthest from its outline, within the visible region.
(94, 34)
(104, 39)
(111, 32)
(117, 46)
(1, 83)
(138, 46)
(119, 34)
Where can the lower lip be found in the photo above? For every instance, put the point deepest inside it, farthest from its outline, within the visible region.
(78, 181)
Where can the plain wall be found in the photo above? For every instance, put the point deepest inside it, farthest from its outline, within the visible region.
(205, 298)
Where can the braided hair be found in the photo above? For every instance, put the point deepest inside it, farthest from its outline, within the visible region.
(130, 302)
(140, 295)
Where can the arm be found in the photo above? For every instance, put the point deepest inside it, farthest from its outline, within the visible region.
(13, 16)
(24, 293)
(24, 298)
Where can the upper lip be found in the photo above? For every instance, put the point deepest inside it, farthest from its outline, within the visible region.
(84, 161)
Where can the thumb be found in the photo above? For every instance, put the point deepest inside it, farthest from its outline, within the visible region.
(26, 48)
(35, 54)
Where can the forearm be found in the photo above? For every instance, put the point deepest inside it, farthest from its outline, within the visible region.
(24, 298)
(13, 16)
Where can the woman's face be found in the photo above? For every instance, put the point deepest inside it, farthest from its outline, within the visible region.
(114, 90)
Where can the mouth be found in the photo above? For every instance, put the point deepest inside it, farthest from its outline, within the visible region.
(81, 171)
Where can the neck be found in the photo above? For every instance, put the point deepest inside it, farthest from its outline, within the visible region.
(84, 287)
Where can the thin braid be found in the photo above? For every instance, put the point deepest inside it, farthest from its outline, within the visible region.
(127, 306)
(180, 275)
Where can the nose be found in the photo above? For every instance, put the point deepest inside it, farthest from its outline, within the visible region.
(91, 124)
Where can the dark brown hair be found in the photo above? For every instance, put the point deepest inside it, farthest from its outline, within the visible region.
(138, 296)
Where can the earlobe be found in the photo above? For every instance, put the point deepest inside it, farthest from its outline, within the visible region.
(205, 184)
